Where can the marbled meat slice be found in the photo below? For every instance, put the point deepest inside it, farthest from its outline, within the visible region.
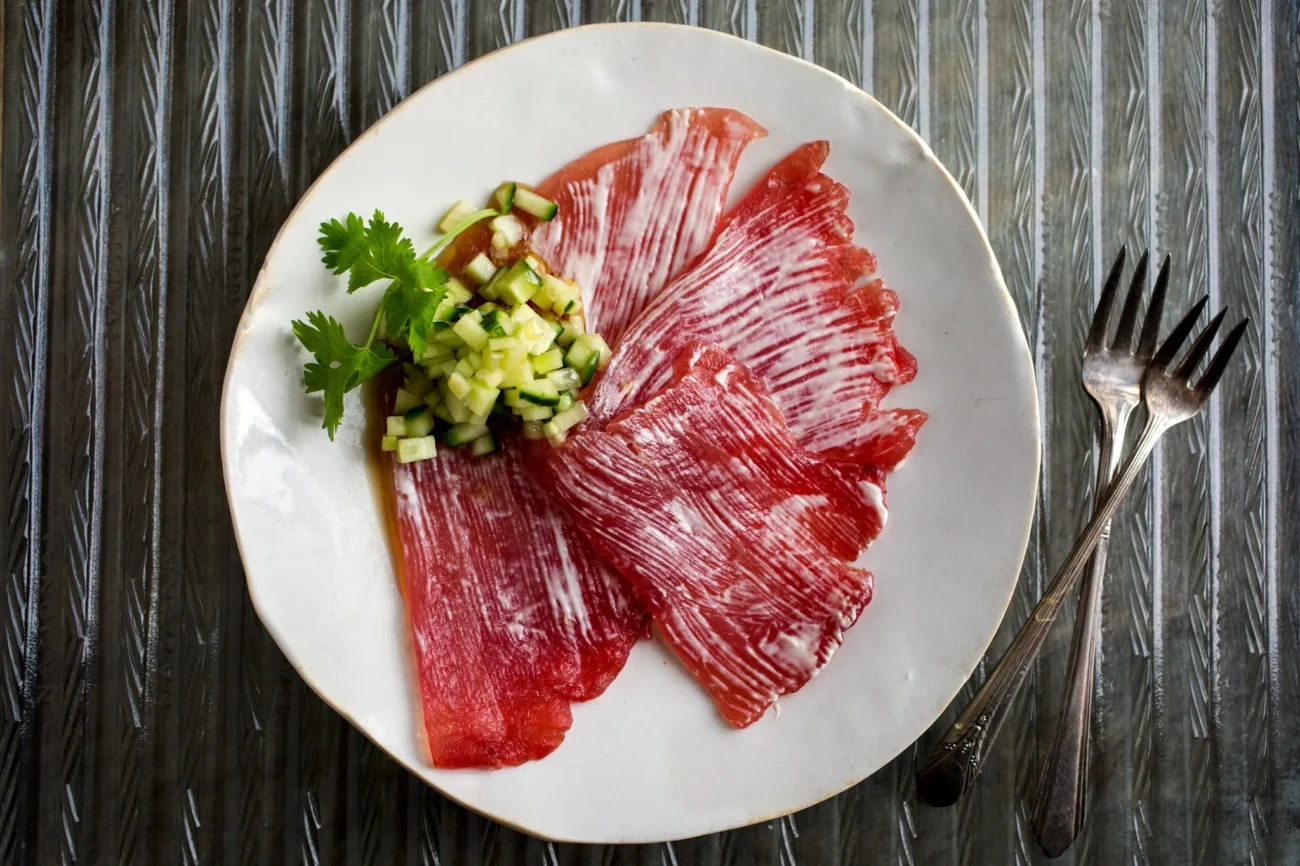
(513, 614)
(632, 214)
(787, 292)
(738, 541)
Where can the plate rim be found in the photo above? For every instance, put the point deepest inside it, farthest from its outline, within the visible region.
(260, 288)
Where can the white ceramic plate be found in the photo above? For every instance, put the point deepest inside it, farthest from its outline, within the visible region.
(650, 759)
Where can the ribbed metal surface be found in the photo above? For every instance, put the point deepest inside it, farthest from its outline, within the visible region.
(149, 150)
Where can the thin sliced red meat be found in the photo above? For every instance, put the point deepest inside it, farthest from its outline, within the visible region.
(634, 213)
(788, 293)
(512, 613)
(737, 540)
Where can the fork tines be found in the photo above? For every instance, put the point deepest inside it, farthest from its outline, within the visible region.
(1123, 341)
(1199, 349)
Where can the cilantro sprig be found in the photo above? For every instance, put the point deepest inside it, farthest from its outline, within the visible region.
(367, 253)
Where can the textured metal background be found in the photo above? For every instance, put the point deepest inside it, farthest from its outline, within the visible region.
(150, 149)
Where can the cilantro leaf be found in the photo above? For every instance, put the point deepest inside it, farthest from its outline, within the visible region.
(367, 252)
(343, 242)
(410, 306)
(339, 366)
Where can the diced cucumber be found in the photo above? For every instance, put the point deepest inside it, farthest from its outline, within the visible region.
(518, 371)
(566, 379)
(448, 367)
(434, 352)
(456, 408)
(554, 436)
(491, 378)
(562, 296)
(481, 397)
(403, 401)
(537, 264)
(503, 198)
(535, 413)
(459, 211)
(594, 342)
(523, 314)
(396, 426)
(574, 327)
(415, 381)
(445, 312)
(540, 391)
(519, 284)
(442, 413)
(463, 434)
(483, 445)
(583, 357)
(511, 398)
(570, 417)
(388, 443)
(506, 232)
(413, 450)
(548, 361)
(418, 421)
(458, 384)
(566, 401)
(469, 330)
(497, 322)
(448, 337)
(480, 269)
(504, 344)
(492, 360)
(538, 336)
(464, 369)
(552, 287)
(456, 292)
(530, 202)
(533, 430)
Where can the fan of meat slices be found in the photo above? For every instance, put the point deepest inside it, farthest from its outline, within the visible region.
(663, 417)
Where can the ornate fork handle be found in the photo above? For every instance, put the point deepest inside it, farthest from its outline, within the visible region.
(957, 759)
(1062, 789)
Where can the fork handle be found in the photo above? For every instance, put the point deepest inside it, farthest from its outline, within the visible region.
(1063, 786)
(956, 761)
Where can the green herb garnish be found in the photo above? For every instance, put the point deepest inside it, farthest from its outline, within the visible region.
(367, 253)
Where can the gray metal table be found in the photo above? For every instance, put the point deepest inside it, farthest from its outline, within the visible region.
(150, 149)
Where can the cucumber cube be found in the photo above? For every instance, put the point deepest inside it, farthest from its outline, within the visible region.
(458, 384)
(463, 434)
(480, 398)
(404, 401)
(519, 284)
(412, 450)
(469, 330)
(480, 269)
(483, 445)
(419, 422)
(548, 361)
(459, 211)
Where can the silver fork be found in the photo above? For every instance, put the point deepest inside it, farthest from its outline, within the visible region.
(1170, 398)
(1112, 375)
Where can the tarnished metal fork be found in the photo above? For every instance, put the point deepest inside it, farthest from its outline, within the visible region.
(1170, 398)
(1112, 376)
